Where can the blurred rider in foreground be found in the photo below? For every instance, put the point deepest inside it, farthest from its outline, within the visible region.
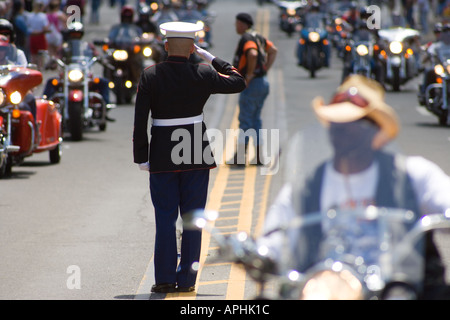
(361, 174)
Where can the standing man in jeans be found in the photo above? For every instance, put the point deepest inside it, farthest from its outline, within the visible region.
(254, 56)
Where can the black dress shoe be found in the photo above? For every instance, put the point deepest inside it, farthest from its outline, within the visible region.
(164, 288)
(186, 289)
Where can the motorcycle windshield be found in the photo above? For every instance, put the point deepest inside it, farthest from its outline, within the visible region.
(339, 208)
(79, 51)
(124, 36)
(398, 34)
(362, 35)
(444, 53)
(314, 21)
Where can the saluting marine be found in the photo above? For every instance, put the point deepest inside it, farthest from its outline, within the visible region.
(175, 92)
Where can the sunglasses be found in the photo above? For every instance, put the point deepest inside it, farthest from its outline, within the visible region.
(350, 95)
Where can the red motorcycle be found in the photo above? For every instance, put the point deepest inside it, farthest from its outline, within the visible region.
(20, 134)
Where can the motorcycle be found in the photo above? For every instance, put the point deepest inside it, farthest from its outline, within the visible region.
(82, 107)
(127, 61)
(401, 60)
(361, 56)
(346, 252)
(313, 46)
(437, 94)
(290, 13)
(152, 45)
(363, 254)
(21, 135)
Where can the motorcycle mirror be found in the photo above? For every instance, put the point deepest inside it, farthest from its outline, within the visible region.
(98, 42)
(32, 66)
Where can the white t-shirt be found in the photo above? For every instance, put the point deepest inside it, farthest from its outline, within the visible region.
(348, 191)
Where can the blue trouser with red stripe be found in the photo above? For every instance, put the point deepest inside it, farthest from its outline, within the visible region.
(173, 193)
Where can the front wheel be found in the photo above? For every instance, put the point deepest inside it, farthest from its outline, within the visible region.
(55, 154)
(396, 79)
(6, 167)
(76, 120)
(443, 118)
(3, 163)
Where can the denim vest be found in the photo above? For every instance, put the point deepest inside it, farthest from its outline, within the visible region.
(394, 190)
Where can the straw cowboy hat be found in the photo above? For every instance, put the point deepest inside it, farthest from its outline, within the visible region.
(358, 97)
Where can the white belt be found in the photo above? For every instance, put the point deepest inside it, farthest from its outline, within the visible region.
(177, 121)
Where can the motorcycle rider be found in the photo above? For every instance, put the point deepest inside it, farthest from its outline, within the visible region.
(75, 31)
(352, 16)
(29, 102)
(311, 18)
(362, 33)
(16, 55)
(190, 13)
(125, 33)
(144, 22)
(442, 34)
(165, 14)
(360, 173)
(126, 30)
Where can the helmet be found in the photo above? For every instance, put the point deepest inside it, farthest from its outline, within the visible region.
(438, 27)
(446, 27)
(75, 30)
(4, 42)
(126, 14)
(315, 6)
(6, 28)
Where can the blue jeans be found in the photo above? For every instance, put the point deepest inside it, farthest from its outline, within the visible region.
(251, 102)
(174, 192)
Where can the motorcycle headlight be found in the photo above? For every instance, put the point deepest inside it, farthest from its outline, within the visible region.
(15, 97)
(201, 34)
(291, 12)
(120, 55)
(2, 97)
(200, 23)
(362, 50)
(75, 75)
(439, 69)
(396, 47)
(331, 285)
(314, 37)
(147, 52)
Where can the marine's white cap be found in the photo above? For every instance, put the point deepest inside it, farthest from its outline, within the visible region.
(180, 29)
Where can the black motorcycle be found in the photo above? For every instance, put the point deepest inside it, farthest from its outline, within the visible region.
(401, 60)
(127, 61)
(290, 15)
(78, 92)
(437, 94)
(360, 252)
(313, 49)
(361, 56)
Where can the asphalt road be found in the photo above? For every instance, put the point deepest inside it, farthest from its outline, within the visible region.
(84, 228)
